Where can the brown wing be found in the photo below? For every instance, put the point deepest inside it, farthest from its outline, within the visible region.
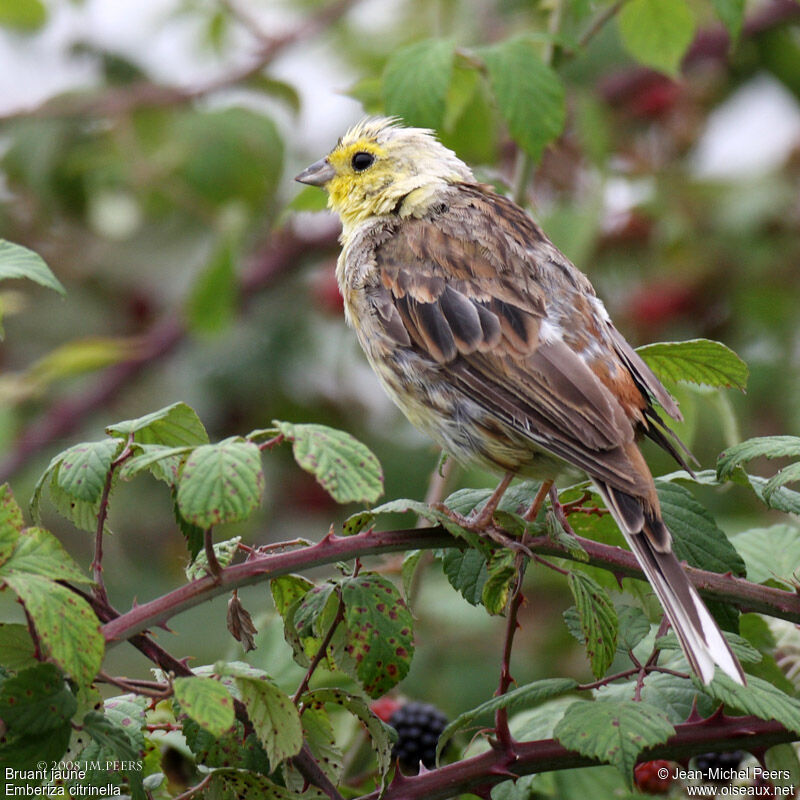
(482, 293)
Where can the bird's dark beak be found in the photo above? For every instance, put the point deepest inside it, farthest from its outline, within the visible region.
(318, 174)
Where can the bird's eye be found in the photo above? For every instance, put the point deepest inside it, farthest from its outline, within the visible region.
(361, 161)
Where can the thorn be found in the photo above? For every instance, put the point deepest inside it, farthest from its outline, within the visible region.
(503, 772)
(398, 778)
(330, 536)
(694, 715)
(718, 715)
(423, 770)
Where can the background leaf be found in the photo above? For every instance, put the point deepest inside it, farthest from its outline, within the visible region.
(699, 361)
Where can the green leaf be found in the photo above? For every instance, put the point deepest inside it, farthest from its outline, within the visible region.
(275, 719)
(175, 425)
(310, 198)
(529, 94)
(287, 593)
(114, 740)
(598, 618)
(224, 551)
(311, 620)
(211, 305)
(344, 467)
(11, 522)
(415, 82)
(17, 261)
(380, 734)
(657, 33)
(207, 702)
(234, 749)
(675, 696)
(742, 649)
(529, 694)
(17, 650)
(771, 554)
(22, 751)
(782, 760)
(38, 552)
(408, 571)
(633, 627)
(467, 572)
(380, 632)
(696, 536)
(502, 573)
(221, 483)
(790, 474)
(232, 784)
(762, 446)
(699, 361)
(150, 456)
(731, 14)
(82, 471)
(67, 627)
(613, 732)
(319, 735)
(36, 700)
(759, 698)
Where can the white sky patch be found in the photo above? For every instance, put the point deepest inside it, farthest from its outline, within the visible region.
(751, 133)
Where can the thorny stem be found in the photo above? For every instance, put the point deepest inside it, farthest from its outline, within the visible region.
(196, 789)
(501, 715)
(146, 688)
(102, 515)
(208, 545)
(321, 652)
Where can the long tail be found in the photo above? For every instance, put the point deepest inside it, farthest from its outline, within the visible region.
(651, 542)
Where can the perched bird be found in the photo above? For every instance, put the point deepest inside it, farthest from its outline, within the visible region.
(492, 343)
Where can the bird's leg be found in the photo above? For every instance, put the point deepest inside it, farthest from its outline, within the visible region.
(483, 518)
(536, 506)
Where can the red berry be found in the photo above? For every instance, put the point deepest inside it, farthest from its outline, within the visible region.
(385, 707)
(654, 777)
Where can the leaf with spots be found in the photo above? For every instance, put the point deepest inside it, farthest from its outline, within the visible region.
(36, 700)
(150, 457)
(613, 732)
(68, 629)
(501, 574)
(318, 734)
(380, 734)
(114, 743)
(233, 749)
(82, 471)
(221, 483)
(598, 619)
(380, 636)
(17, 650)
(287, 594)
(312, 618)
(224, 551)
(11, 522)
(232, 784)
(275, 719)
(19, 752)
(207, 702)
(38, 552)
(343, 466)
(528, 695)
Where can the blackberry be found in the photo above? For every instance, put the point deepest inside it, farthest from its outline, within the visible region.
(418, 727)
(709, 764)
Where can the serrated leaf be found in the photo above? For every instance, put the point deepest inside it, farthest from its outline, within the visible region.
(22, 751)
(234, 749)
(731, 14)
(415, 82)
(220, 483)
(633, 627)
(357, 522)
(319, 735)
(379, 733)
(742, 649)
(613, 732)
(36, 700)
(16, 646)
(116, 740)
(501, 574)
(234, 784)
(175, 425)
(148, 455)
(696, 536)
(762, 446)
(599, 623)
(207, 702)
(38, 552)
(11, 522)
(408, 571)
(529, 94)
(286, 590)
(467, 572)
(224, 551)
(675, 696)
(529, 694)
(700, 361)
(68, 629)
(657, 32)
(275, 719)
(380, 632)
(81, 472)
(342, 465)
(790, 474)
(771, 554)
(759, 698)
(19, 262)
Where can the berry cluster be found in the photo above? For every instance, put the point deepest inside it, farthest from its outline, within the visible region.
(418, 727)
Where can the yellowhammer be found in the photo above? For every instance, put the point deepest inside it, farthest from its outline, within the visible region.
(496, 346)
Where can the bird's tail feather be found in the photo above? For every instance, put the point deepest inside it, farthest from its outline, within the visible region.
(699, 635)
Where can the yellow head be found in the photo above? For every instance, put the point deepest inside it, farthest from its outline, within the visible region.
(377, 164)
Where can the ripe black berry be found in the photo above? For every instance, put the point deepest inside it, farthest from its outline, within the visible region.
(418, 727)
(717, 767)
